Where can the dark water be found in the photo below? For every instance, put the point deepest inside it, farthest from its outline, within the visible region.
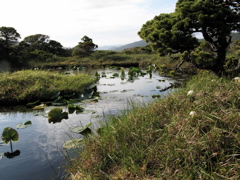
(40, 145)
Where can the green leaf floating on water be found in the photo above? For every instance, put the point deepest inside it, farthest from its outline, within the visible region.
(32, 104)
(24, 125)
(71, 106)
(81, 130)
(41, 106)
(56, 115)
(79, 108)
(9, 134)
(59, 102)
(73, 143)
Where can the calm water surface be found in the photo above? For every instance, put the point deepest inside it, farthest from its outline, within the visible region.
(40, 145)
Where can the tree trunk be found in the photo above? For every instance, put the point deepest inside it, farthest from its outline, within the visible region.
(218, 68)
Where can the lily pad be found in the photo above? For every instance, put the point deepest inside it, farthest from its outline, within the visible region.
(73, 143)
(71, 106)
(41, 106)
(9, 134)
(33, 104)
(59, 102)
(24, 125)
(56, 115)
(81, 130)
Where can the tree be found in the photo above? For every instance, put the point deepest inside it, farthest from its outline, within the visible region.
(40, 47)
(85, 48)
(175, 32)
(37, 41)
(8, 37)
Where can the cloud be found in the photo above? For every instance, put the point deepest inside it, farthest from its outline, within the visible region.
(107, 22)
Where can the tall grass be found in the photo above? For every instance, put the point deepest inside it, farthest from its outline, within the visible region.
(28, 85)
(162, 141)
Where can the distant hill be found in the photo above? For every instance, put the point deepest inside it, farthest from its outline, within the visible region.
(108, 47)
(140, 43)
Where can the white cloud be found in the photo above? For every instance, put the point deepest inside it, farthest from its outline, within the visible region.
(107, 22)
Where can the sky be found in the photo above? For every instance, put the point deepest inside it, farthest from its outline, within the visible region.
(106, 22)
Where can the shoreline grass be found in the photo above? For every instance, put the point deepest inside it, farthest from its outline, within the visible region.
(163, 140)
(28, 85)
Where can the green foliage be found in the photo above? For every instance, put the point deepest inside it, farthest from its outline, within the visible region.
(9, 134)
(9, 36)
(84, 48)
(203, 57)
(174, 32)
(231, 62)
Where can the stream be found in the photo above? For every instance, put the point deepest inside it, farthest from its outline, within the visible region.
(39, 150)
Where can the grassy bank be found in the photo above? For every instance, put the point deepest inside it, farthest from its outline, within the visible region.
(114, 58)
(27, 86)
(193, 136)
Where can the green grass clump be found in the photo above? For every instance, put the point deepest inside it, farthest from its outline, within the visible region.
(162, 141)
(28, 85)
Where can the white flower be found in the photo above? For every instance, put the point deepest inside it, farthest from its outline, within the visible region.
(193, 113)
(190, 93)
(237, 79)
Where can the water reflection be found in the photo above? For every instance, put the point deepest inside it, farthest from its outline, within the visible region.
(11, 155)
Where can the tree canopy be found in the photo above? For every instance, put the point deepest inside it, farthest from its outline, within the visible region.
(175, 32)
(85, 47)
(8, 37)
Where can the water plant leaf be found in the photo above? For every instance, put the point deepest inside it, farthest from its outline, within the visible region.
(41, 106)
(24, 125)
(79, 109)
(59, 102)
(32, 104)
(81, 130)
(56, 115)
(92, 86)
(71, 106)
(73, 143)
(9, 134)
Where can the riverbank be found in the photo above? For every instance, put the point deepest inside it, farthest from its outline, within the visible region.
(191, 134)
(27, 86)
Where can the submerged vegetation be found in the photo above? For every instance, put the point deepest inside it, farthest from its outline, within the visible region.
(165, 139)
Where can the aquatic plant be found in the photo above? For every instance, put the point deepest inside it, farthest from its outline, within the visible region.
(9, 134)
(81, 130)
(123, 73)
(73, 143)
(24, 125)
(56, 115)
